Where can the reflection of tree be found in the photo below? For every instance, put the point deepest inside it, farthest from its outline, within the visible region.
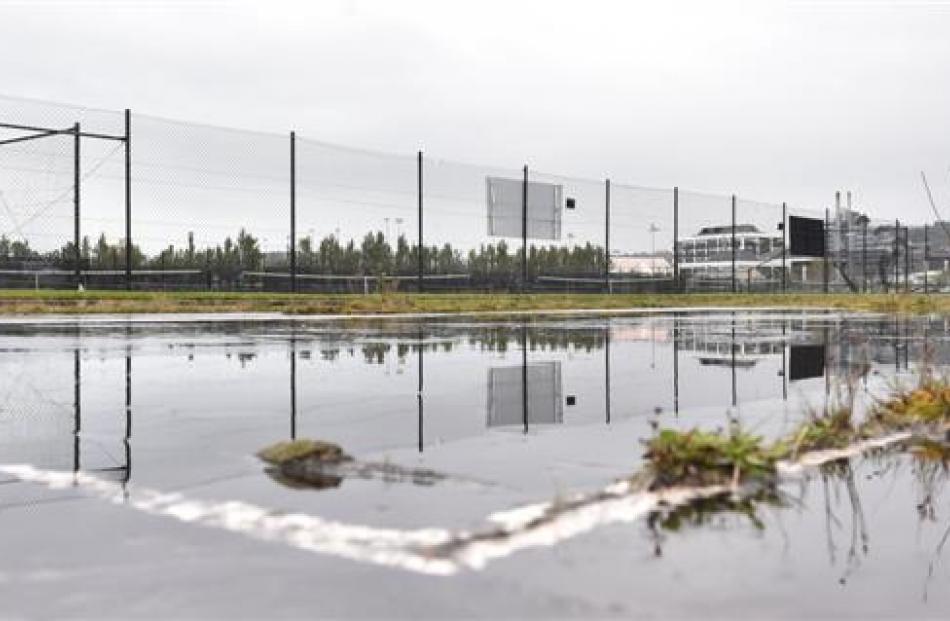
(931, 467)
(834, 476)
(716, 511)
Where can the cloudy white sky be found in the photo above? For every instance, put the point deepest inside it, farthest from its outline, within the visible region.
(773, 100)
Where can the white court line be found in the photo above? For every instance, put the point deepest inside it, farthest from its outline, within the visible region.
(433, 551)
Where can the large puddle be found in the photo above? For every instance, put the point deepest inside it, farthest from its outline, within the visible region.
(144, 497)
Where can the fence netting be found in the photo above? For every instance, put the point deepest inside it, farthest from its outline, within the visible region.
(39, 168)
(209, 203)
(704, 246)
(224, 209)
(642, 233)
(356, 219)
(567, 251)
(469, 246)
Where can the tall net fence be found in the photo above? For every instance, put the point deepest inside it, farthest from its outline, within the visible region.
(642, 239)
(355, 219)
(468, 244)
(44, 166)
(704, 247)
(178, 205)
(211, 205)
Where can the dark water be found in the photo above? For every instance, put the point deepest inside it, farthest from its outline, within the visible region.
(513, 411)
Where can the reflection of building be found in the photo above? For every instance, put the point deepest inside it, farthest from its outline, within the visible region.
(506, 395)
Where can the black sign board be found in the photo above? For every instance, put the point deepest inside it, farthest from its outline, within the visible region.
(806, 236)
(806, 361)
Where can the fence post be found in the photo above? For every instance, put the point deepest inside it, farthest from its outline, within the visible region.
(864, 252)
(826, 275)
(676, 239)
(293, 212)
(906, 259)
(733, 244)
(926, 259)
(524, 231)
(607, 236)
(128, 199)
(897, 253)
(784, 248)
(420, 249)
(77, 194)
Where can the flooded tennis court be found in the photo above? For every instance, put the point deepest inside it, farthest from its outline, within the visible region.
(130, 485)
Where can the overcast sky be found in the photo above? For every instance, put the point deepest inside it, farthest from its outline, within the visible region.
(773, 100)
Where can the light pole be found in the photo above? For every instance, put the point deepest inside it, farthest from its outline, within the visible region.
(654, 229)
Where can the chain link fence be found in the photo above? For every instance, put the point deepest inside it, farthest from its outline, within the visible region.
(104, 199)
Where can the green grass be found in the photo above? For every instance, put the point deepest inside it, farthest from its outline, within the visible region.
(697, 457)
(43, 301)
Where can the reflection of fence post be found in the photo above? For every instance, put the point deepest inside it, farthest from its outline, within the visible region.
(826, 275)
(676, 239)
(77, 180)
(607, 236)
(293, 387)
(524, 231)
(420, 246)
(784, 247)
(128, 198)
(733, 244)
(293, 212)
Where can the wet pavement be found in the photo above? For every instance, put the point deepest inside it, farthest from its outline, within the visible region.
(513, 411)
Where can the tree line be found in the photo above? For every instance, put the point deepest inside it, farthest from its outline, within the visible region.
(497, 262)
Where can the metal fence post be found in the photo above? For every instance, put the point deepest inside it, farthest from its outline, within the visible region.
(784, 248)
(864, 252)
(897, 251)
(926, 260)
(676, 239)
(420, 249)
(77, 194)
(128, 199)
(524, 231)
(907, 259)
(607, 236)
(826, 275)
(733, 244)
(293, 212)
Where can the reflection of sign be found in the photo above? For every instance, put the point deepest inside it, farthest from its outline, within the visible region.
(806, 236)
(806, 361)
(506, 396)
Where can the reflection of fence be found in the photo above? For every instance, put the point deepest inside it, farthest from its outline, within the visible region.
(115, 200)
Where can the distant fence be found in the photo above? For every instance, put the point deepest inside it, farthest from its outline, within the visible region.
(106, 199)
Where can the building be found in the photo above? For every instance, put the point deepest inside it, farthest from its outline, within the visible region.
(658, 265)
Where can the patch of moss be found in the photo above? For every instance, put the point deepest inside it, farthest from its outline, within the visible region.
(283, 453)
(698, 457)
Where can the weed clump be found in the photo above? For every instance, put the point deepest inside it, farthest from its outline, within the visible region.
(285, 453)
(832, 430)
(926, 405)
(699, 457)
